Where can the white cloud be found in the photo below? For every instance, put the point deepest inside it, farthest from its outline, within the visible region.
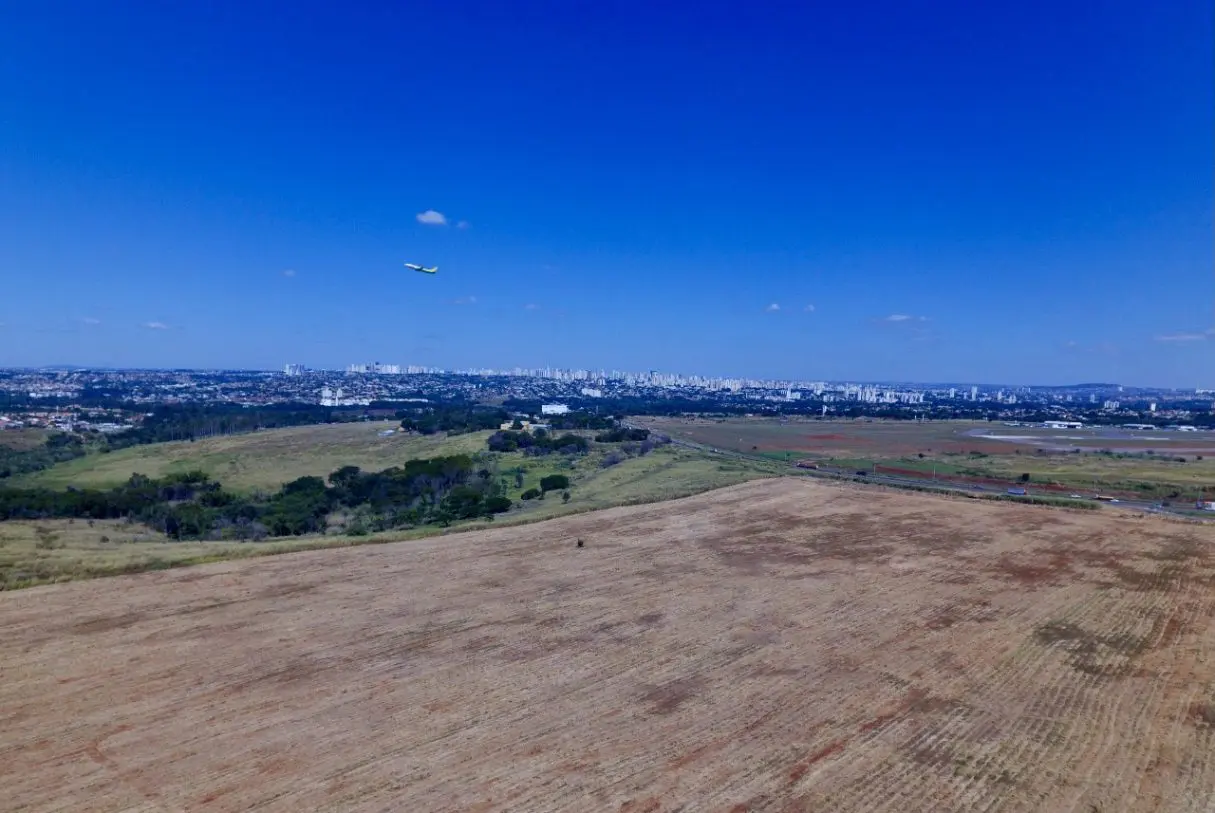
(432, 218)
(773, 308)
(809, 308)
(463, 224)
(465, 300)
(89, 320)
(1187, 337)
(290, 272)
(896, 318)
(531, 306)
(155, 325)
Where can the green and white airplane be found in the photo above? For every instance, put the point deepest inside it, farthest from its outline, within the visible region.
(422, 268)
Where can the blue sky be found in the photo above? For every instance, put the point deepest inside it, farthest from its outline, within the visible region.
(624, 185)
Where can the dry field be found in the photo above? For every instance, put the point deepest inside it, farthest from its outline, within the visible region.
(781, 645)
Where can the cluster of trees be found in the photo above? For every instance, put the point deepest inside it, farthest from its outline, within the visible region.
(454, 420)
(57, 448)
(537, 443)
(553, 482)
(192, 506)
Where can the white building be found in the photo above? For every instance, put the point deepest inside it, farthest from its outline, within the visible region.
(1062, 425)
(553, 409)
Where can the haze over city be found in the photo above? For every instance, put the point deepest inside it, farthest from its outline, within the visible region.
(813, 193)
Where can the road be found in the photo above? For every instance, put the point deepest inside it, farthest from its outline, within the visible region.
(901, 481)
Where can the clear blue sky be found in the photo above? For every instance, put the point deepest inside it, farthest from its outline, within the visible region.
(1029, 184)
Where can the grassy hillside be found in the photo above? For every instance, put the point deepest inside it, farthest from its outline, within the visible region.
(259, 460)
(47, 551)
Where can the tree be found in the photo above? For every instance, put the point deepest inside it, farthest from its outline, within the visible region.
(565, 496)
(497, 505)
(530, 494)
(1025, 478)
(554, 482)
(519, 478)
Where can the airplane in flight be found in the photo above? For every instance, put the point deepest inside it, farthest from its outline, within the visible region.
(422, 268)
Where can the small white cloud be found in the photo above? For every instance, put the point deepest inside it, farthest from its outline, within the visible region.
(463, 224)
(155, 325)
(531, 306)
(773, 308)
(290, 272)
(432, 218)
(809, 308)
(897, 317)
(465, 300)
(89, 320)
(1186, 337)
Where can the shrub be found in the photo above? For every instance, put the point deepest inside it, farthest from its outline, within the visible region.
(565, 496)
(611, 459)
(554, 482)
(530, 494)
(497, 505)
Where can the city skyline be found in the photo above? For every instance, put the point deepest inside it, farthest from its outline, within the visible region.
(650, 377)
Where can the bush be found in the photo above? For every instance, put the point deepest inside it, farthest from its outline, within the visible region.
(565, 496)
(530, 494)
(554, 482)
(611, 459)
(497, 505)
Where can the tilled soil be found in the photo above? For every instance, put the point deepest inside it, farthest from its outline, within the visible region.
(782, 645)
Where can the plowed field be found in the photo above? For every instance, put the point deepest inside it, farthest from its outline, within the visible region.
(776, 646)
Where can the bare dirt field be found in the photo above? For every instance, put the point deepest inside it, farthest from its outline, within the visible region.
(781, 645)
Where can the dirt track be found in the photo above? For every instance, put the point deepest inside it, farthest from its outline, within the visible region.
(781, 645)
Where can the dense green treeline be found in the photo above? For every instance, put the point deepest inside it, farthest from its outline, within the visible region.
(438, 490)
(538, 443)
(454, 420)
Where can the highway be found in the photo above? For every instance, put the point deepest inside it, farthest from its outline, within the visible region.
(937, 484)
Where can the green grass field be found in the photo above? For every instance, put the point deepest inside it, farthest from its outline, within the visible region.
(259, 460)
(48, 551)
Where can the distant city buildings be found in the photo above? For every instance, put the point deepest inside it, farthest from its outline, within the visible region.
(337, 397)
(553, 409)
(374, 368)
